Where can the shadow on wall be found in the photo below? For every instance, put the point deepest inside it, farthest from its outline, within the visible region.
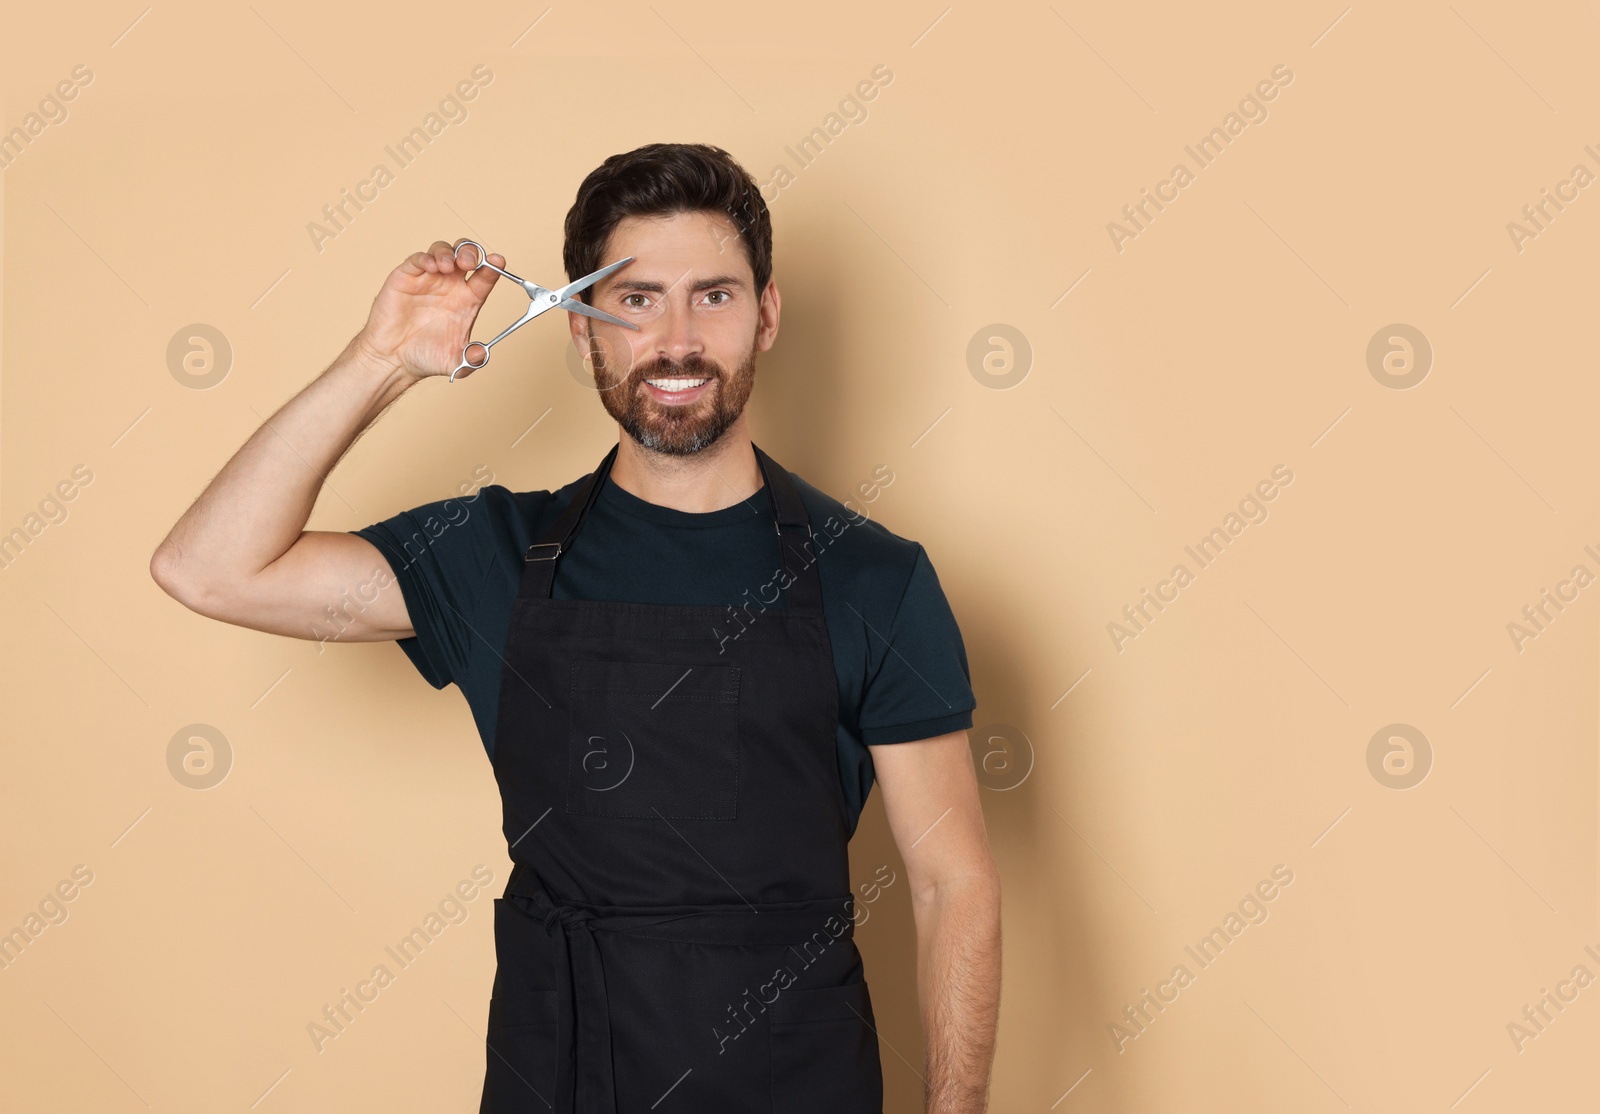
(793, 408)
(1046, 920)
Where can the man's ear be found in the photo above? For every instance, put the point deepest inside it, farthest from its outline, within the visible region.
(771, 305)
(577, 325)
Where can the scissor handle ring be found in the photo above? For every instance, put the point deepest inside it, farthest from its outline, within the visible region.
(466, 361)
(483, 255)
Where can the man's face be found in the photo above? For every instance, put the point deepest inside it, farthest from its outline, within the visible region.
(682, 379)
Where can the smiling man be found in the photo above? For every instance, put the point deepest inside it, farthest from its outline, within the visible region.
(688, 669)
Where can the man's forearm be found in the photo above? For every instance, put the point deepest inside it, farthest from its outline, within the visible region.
(958, 988)
(258, 504)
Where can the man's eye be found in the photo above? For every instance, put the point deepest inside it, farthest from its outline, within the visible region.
(631, 304)
(723, 294)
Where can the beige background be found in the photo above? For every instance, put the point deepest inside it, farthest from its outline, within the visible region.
(1229, 337)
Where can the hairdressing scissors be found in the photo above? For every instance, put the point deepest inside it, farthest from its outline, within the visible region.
(539, 300)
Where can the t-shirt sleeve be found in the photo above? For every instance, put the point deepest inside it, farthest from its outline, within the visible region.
(921, 687)
(438, 553)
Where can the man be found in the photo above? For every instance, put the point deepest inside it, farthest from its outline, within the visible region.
(688, 668)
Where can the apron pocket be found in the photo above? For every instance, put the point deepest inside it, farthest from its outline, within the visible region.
(523, 1023)
(523, 976)
(648, 739)
(520, 1073)
(824, 1052)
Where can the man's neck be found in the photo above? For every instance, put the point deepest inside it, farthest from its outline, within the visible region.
(714, 478)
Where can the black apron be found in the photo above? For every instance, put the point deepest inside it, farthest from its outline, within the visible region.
(677, 930)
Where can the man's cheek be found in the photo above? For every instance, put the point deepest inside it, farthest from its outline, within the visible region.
(615, 361)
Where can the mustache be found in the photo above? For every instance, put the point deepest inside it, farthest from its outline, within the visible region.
(693, 367)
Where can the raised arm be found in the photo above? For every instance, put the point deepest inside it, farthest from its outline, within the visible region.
(241, 553)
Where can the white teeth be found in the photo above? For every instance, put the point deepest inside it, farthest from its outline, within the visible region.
(675, 384)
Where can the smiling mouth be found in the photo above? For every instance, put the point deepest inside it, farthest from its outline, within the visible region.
(677, 391)
(675, 386)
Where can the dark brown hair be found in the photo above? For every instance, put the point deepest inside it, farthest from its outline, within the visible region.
(660, 179)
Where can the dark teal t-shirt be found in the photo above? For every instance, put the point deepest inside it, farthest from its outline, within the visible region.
(897, 651)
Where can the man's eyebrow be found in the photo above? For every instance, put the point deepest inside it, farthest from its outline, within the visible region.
(648, 286)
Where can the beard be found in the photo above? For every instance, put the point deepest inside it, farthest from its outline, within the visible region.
(680, 430)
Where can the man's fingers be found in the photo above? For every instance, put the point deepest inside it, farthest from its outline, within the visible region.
(423, 262)
(441, 258)
(444, 257)
(484, 278)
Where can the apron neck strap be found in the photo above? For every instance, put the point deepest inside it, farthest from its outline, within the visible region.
(795, 539)
(796, 544)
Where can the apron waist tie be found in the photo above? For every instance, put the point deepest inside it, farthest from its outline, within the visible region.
(584, 1075)
(583, 1052)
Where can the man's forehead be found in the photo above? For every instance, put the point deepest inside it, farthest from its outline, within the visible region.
(672, 225)
(695, 250)
(661, 279)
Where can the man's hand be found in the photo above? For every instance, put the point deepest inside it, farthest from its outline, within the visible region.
(422, 318)
(931, 797)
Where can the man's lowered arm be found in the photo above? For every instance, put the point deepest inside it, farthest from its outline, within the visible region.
(930, 795)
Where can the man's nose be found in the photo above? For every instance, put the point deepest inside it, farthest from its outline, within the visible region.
(677, 332)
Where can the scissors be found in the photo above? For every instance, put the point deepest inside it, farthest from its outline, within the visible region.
(539, 299)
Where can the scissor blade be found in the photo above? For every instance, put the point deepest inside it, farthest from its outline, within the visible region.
(598, 314)
(589, 280)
